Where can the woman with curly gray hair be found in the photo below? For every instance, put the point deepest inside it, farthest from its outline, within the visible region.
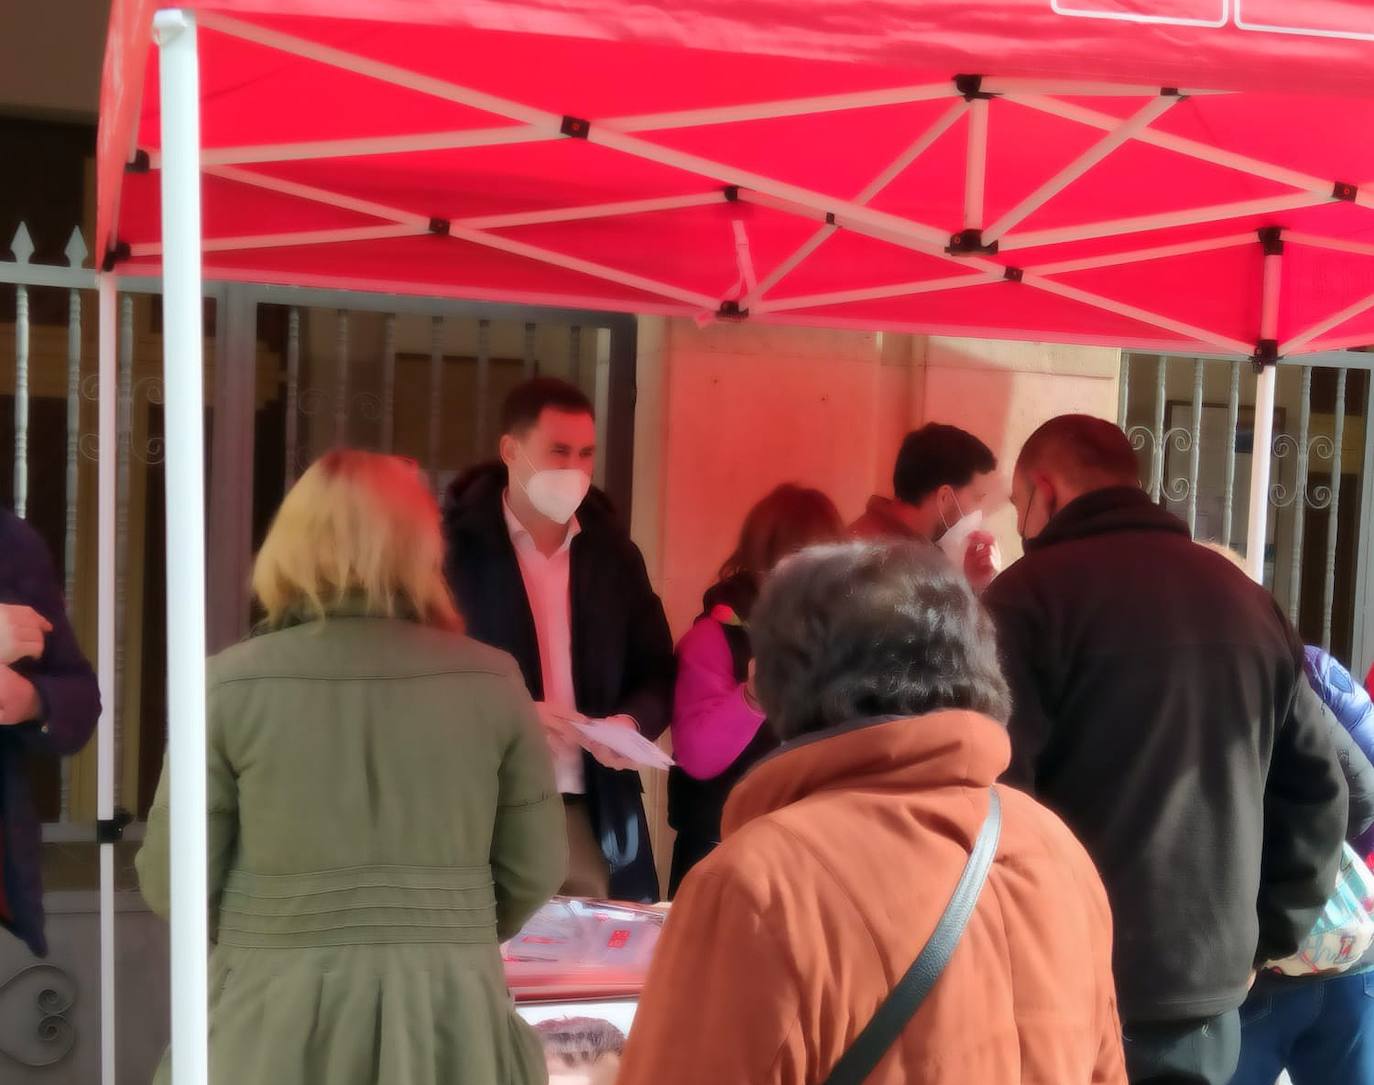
(878, 668)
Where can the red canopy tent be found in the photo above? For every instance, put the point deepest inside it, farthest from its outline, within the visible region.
(1185, 175)
(801, 163)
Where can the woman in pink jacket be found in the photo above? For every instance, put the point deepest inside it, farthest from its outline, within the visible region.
(717, 726)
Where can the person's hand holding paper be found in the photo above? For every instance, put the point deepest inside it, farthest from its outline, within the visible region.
(617, 744)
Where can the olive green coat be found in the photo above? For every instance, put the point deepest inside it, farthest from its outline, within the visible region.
(382, 812)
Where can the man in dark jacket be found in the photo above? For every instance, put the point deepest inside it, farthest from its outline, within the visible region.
(542, 569)
(49, 704)
(1161, 708)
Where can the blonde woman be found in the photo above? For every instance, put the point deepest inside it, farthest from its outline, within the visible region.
(382, 809)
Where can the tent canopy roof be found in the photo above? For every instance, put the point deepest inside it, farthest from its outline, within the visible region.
(801, 163)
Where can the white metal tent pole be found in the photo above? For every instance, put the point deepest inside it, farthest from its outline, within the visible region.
(185, 466)
(976, 164)
(106, 437)
(1262, 460)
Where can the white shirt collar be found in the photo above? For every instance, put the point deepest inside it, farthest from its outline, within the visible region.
(520, 534)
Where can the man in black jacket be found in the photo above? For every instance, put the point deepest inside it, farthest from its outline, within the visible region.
(542, 569)
(1160, 706)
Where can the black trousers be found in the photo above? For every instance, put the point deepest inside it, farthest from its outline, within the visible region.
(1197, 1052)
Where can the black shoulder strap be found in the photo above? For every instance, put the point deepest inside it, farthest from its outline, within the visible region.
(901, 1005)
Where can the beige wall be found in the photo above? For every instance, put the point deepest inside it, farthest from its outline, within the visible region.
(727, 412)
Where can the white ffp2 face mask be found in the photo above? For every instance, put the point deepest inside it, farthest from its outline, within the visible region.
(954, 542)
(557, 494)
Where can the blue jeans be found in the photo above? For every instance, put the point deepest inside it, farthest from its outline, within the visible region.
(1322, 1033)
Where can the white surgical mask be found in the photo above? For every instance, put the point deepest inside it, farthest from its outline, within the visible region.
(557, 494)
(954, 542)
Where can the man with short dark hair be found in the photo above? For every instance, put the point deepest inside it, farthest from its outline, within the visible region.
(49, 704)
(542, 569)
(1161, 708)
(943, 476)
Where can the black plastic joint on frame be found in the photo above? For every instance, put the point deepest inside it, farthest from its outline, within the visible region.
(1271, 240)
(730, 310)
(830, 219)
(111, 830)
(1345, 191)
(971, 87)
(1266, 354)
(731, 193)
(116, 254)
(1013, 274)
(1170, 92)
(575, 127)
(140, 163)
(440, 227)
(969, 242)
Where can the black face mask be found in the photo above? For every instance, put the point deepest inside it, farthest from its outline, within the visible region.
(1030, 507)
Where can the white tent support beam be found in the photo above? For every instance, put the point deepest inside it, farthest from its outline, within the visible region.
(461, 139)
(1124, 131)
(895, 169)
(744, 258)
(1159, 252)
(773, 110)
(1261, 462)
(976, 163)
(1332, 244)
(890, 228)
(291, 240)
(1195, 216)
(1303, 340)
(106, 438)
(319, 195)
(417, 226)
(1144, 316)
(1014, 85)
(593, 211)
(183, 344)
(1349, 342)
(1204, 152)
(789, 265)
(907, 158)
(876, 293)
(360, 289)
(585, 267)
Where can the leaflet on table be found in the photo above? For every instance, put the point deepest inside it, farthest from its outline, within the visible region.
(624, 741)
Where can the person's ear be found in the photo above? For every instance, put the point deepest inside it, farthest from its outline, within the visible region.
(509, 449)
(946, 504)
(1051, 493)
